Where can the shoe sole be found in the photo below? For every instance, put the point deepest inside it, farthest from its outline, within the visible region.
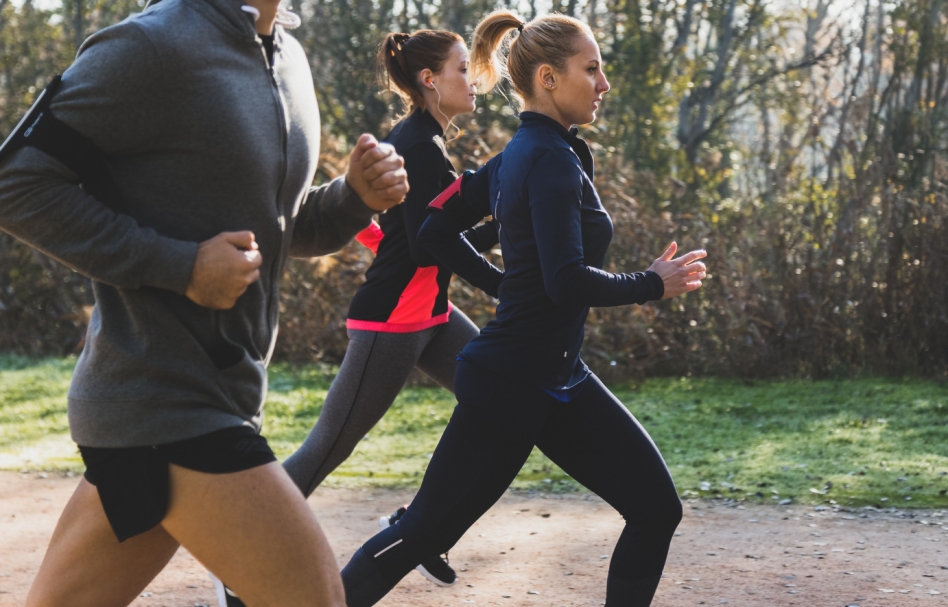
(218, 590)
(385, 524)
(424, 572)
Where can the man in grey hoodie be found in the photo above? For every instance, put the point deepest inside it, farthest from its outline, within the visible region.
(210, 129)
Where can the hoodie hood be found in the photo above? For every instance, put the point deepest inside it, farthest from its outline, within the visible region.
(288, 19)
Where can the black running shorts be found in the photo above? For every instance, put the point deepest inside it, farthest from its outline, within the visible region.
(133, 481)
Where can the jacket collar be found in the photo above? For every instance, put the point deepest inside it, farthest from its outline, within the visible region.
(417, 127)
(538, 118)
(575, 142)
(423, 120)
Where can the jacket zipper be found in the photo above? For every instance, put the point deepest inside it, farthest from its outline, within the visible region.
(281, 123)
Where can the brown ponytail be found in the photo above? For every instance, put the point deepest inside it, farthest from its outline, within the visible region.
(401, 58)
(550, 40)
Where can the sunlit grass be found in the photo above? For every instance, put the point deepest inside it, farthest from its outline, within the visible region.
(33, 428)
(856, 442)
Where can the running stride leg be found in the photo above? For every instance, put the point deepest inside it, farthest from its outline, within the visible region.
(251, 528)
(371, 375)
(439, 361)
(488, 439)
(255, 531)
(595, 439)
(86, 566)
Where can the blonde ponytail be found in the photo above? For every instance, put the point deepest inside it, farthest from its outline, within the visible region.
(487, 64)
(550, 40)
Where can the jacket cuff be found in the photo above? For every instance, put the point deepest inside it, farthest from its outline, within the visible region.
(172, 265)
(351, 201)
(656, 286)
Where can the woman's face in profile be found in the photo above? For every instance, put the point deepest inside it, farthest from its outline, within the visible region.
(580, 87)
(457, 92)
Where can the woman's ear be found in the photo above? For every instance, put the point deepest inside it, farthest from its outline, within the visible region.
(426, 78)
(546, 77)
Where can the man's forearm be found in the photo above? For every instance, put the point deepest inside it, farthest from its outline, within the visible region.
(42, 205)
(329, 219)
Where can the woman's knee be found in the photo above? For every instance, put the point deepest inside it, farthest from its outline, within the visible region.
(659, 513)
(672, 511)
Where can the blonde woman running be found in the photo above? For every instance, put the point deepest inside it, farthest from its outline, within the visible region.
(521, 383)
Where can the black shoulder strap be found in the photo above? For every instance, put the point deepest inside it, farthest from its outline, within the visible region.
(27, 125)
(43, 131)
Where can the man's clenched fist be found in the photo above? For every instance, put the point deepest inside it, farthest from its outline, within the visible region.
(225, 266)
(377, 174)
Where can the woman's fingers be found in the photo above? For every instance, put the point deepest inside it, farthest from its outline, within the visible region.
(669, 252)
(692, 256)
(694, 268)
(685, 280)
(683, 274)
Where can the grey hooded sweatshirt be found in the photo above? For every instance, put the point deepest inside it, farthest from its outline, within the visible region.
(202, 136)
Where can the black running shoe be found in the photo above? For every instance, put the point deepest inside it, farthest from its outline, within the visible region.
(436, 569)
(225, 597)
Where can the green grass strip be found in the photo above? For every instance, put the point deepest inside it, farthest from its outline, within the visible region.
(880, 442)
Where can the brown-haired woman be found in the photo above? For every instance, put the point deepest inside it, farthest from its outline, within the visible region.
(521, 383)
(401, 318)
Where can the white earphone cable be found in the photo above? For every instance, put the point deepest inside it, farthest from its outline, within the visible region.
(450, 120)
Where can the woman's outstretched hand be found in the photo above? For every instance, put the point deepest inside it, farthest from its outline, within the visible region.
(680, 275)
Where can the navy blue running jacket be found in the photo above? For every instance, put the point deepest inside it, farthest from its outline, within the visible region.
(554, 233)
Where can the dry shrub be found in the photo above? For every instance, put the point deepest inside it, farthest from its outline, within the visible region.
(793, 289)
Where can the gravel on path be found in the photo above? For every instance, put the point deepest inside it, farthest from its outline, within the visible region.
(553, 550)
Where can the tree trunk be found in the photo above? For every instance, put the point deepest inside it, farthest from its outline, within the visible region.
(78, 24)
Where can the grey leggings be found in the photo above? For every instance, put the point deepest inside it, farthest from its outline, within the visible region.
(372, 373)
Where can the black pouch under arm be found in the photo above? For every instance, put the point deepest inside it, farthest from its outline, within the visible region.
(452, 202)
(41, 130)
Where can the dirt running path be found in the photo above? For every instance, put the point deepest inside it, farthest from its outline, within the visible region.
(553, 551)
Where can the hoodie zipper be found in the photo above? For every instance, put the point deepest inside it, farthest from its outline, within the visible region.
(281, 124)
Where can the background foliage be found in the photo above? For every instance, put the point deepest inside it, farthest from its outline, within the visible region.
(802, 143)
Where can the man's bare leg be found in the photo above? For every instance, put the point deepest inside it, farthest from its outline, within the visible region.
(85, 566)
(251, 528)
(254, 530)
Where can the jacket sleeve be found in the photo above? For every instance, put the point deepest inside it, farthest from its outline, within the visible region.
(107, 95)
(461, 206)
(425, 165)
(483, 237)
(554, 189)
(329, 218)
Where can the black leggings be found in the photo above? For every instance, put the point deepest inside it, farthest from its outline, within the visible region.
(495, 425)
